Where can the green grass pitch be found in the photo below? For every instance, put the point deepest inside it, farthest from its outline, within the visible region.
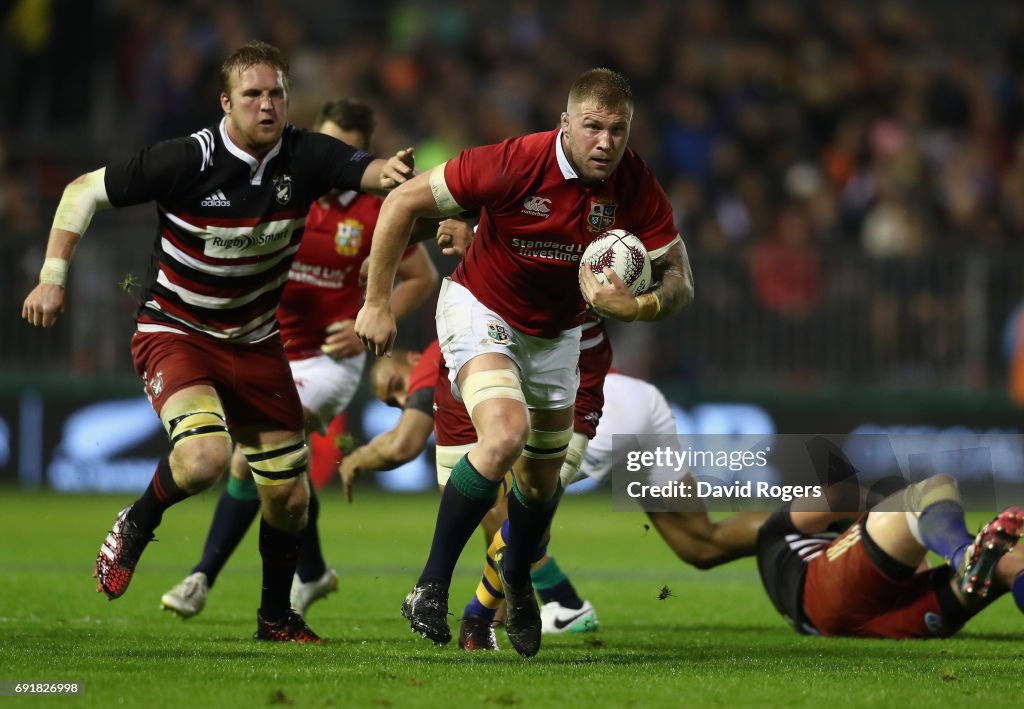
(715, 641)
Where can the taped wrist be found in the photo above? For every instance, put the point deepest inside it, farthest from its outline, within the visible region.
(54, 271)
(648, 305)
(570, 471)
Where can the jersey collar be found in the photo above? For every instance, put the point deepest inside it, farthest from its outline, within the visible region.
(563, 162)
(347, 197)
(256, 167)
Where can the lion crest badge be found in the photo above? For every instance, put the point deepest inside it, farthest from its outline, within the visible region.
(601, 216)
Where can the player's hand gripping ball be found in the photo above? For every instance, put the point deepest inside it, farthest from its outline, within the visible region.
(622, 252)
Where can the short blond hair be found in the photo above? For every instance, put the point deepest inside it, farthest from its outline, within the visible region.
(608, 88)
(248, 55)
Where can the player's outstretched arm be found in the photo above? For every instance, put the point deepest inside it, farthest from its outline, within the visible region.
(388, 450)
(81, 198)
(383, 175)
(375, 323)
(704, 544)
(417, 279)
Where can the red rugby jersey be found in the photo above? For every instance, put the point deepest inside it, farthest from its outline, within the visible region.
(424, 373)
(323, 283)
(537, 219)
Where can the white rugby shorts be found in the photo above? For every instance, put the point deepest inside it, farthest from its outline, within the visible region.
(326, 386)
(632, 407)
(445, 458)
(467, 328)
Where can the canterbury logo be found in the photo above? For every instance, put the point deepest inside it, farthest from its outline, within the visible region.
(217, 199)
(537, 206)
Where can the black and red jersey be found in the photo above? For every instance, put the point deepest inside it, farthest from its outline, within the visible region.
(229, 224)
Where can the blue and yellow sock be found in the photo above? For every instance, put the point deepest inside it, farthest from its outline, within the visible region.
(489, 593)
(1017, 589)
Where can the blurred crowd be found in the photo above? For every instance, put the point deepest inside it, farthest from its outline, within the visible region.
(781, 129)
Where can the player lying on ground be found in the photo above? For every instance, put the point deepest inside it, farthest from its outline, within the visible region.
(871, 580)
(316, 313)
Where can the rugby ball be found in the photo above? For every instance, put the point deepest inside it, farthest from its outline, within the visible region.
(622, 252)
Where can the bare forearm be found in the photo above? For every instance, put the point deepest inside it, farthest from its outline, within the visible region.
(389, 241)
(391, 235)
(376, 455)
(381, 176)
(675, 281)
(61, 244)
(417, 279)
(410, 294)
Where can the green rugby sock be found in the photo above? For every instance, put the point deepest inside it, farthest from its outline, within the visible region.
(466, 499)
(552, 584)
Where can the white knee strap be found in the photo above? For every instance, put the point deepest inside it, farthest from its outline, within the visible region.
(491, 384)
(542, 445)
(445, 458)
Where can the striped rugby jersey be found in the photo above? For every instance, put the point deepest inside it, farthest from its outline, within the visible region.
(229, 225)
(783, 553)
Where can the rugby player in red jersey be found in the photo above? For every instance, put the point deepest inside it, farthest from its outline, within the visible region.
(231, 201)
(509, 318)
(316, 315)
(418, 383)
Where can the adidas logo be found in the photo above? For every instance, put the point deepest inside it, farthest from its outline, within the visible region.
(217, 199)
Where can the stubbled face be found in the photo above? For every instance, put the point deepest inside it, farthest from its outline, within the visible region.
(256, 109)
(595, 138)
(355, 138)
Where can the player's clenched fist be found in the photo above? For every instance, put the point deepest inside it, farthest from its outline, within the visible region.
(43, 305)
(376, 329)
